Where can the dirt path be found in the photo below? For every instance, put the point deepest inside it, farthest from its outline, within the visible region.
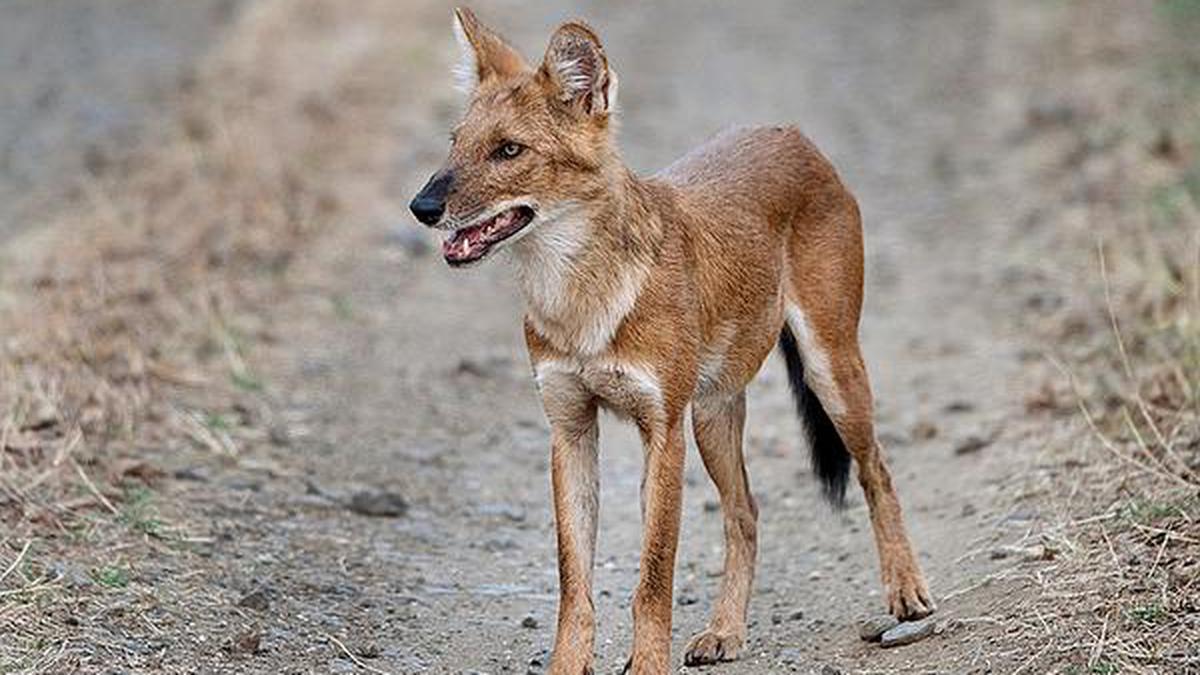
(412, 378)
(394, 374)
(82, 80)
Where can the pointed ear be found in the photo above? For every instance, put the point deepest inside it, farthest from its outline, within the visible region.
(484, 53)
(577, 70)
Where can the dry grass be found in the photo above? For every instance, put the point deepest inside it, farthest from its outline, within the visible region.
(129, 338)
(1122, 591)
(138, 304)
(137, 319)
(132, 323)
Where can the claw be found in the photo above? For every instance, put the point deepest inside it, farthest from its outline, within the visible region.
(911, 602)
(710, 647)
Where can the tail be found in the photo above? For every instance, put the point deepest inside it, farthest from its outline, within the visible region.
(830, 460)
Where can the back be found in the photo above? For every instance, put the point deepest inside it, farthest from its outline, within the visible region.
(772, 173)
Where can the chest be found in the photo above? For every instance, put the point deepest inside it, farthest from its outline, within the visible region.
(577, 290)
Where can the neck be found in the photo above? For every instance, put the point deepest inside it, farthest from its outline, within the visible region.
(582, 268)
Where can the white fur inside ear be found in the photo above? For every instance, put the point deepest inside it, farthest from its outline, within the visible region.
(466, 71)
(573, 76)
(577, 76)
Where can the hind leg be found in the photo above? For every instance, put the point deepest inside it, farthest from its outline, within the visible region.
(718, 424)
(907, 593)
(839, 379)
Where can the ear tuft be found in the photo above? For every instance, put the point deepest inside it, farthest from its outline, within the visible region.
(484, 54)
(466, 71)
(576, 65)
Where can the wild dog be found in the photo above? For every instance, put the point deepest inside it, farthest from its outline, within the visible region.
(652, 295)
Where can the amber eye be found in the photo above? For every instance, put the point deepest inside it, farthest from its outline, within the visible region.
(508, 150)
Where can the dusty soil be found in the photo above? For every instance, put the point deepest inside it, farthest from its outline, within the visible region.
(81, 79)
(415, 382)
(389, 374)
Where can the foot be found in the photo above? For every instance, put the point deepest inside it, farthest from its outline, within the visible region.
(564, 668)
(711, 646)
(656, 664)
(907, 595)
(571, 660)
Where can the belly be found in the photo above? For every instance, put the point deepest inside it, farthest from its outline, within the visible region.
(737, 347)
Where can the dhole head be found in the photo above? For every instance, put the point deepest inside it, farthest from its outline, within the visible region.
(532, 145)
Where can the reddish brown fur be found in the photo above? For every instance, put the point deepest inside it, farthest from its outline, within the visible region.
(647, 295)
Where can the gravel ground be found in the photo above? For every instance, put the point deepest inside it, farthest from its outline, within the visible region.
(399, 519)
(425, 388)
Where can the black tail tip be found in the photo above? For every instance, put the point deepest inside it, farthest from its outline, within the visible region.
(830, 459)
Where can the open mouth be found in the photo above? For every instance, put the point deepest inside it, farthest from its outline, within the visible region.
(471, 244)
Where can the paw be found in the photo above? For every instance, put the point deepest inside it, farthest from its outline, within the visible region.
(657, 664)
(710, 646)
(573, 649)
(571, 669)
(570, 666)
(908, 596)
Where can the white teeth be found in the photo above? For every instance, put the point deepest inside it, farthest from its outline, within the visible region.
(481, 235)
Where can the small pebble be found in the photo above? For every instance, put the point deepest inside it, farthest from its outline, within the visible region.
(971, 445)
(368, 650)
(1026, 553)
(247, 642)
(907, 633)
(872, 629)
(507, 511)
(529, 622)
(959, 407)
(256, 600)
(43, 417)
(191, 474)
(791, 655)
(381, 504)
(279, 435)
(924, 431)
(1050, 112)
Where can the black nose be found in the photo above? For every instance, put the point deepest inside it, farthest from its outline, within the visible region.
(430, 203)
(428, 211)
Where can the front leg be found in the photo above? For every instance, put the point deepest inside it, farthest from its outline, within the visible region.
(576, 483)
(575, 478)
(662, 488)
